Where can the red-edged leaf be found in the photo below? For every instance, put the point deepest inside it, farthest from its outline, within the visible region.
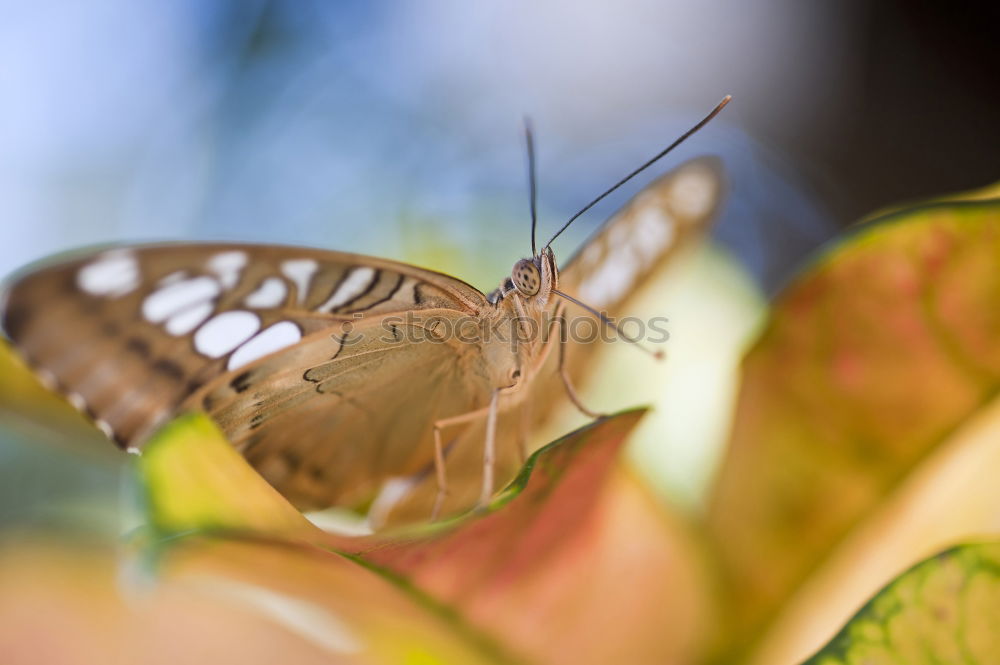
(576, 563)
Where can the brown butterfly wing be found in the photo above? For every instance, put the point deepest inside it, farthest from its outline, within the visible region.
(464, 464)
(330, 419)
(626, 254)
(656, 224)
(130, 334)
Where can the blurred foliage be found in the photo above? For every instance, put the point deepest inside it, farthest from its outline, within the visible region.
(57, 469)
(864, 439)
(879, 355)
(945, 610)
(191, 482)
(486, 567)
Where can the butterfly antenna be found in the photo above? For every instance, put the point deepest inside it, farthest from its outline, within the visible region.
(529, 138)
(642, 168)
(608, 322)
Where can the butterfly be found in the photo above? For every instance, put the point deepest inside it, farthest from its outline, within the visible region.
(345, 380)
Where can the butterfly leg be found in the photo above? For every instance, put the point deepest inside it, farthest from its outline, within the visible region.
(439, 465)
(489, 450)
(564, 375)
(439, 469)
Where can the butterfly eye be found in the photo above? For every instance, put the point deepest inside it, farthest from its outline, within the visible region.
(526, 277)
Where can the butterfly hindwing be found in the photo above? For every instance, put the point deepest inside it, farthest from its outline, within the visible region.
(328, 420)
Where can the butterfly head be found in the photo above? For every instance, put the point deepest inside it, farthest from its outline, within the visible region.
(527, 277)
(534, 276)
(531, 279)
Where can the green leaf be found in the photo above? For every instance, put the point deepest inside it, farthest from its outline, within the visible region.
(873, 362)
(944, 610)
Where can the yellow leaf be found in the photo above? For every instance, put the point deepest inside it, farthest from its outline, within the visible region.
(195, 480)
(24, 400)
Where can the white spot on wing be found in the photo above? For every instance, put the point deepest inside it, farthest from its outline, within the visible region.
(612, 280)
(113, 273)
(188, 319)
(300, 271)
(270, 293)
(357, 280)
(228, 266)
(393, 491)
(692, 193)
(225, 332)
(619, 235)
(272, 339)
(105, 428)
(631, 249)
(654, 231)
(77, 401)
(174, 298)
(172, 278)
(592, 255)
(47, 379)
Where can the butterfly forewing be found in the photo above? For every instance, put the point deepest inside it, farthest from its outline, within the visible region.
(129, 334)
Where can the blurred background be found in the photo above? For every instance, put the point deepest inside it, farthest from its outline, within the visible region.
(394, 128)
(341, 124)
